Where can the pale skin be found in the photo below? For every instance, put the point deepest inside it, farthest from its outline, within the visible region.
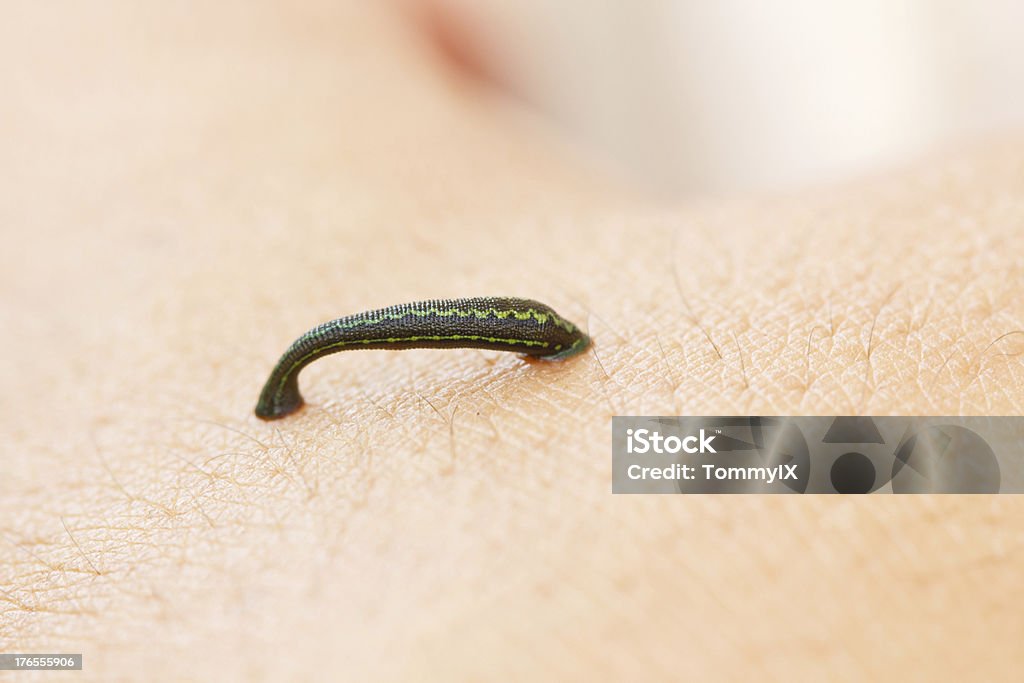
(188, 190)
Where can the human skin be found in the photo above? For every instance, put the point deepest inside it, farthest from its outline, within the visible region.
(188, 188)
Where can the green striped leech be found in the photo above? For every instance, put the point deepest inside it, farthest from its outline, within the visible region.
(499, 323)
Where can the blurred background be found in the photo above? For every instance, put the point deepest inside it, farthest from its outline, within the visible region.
(729, 96)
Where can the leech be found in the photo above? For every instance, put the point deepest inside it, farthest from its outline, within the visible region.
(498, 323)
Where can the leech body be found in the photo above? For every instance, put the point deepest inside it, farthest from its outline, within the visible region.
(499, 323)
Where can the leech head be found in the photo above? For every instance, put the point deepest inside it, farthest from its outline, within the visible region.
(576, 343)
(498, 323)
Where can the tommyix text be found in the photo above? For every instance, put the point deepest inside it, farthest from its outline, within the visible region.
(646, 441)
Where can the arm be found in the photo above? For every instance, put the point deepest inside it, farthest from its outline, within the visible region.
(451, 512)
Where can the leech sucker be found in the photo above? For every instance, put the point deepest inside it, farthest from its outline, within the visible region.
(498, 323)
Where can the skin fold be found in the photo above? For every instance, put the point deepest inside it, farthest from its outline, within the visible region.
(186, 186)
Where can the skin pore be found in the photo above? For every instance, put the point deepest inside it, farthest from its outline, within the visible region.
(188, 187)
